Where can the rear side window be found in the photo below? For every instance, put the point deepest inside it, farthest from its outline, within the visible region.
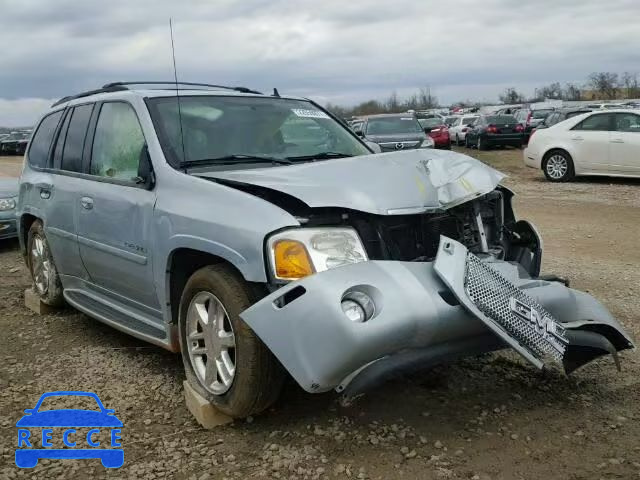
(76, 134)
(627, 122)
(41, 141)
(598, 122)
(118, 142)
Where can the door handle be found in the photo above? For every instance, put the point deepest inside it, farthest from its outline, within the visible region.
(45, 190)
(617, 140)
(577, 138)
(87, 203)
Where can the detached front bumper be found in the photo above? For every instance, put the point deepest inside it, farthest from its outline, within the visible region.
(427, 312)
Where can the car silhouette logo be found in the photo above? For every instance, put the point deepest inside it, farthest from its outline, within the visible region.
(79, 446)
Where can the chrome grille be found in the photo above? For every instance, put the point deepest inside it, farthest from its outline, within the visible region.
(514, 311)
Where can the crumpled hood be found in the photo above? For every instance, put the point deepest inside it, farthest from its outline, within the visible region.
(395, 183)
(8, 187)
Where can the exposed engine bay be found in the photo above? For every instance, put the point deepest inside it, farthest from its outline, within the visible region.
(486, 226)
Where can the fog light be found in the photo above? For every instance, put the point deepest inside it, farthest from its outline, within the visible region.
(358, 306)
(353, 311)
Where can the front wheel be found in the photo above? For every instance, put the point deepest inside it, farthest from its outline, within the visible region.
(224, 360)
(558, 166)
(44, 275)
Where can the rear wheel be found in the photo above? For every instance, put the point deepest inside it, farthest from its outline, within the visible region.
(457, 140)
(223, 358)
(46, 281)
(481, 144)
(558, 166)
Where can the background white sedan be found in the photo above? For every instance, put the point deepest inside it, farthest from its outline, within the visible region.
(604, 142)
(458, 129)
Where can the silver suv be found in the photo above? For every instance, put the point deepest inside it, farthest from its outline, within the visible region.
(258, 235)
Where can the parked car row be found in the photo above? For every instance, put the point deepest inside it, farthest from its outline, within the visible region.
(15, 143)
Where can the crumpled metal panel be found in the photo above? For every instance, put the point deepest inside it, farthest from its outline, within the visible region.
(393, 183)
(522, 317)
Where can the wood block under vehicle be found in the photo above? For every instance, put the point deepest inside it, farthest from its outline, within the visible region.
(205, 414)
(32, 302)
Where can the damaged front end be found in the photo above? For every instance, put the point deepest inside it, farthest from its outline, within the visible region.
(452, 276)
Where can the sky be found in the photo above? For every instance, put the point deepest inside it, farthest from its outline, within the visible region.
(338, 51)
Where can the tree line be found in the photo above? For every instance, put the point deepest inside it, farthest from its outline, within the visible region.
(599, 85)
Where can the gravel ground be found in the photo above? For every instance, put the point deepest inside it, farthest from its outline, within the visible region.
(492, 417)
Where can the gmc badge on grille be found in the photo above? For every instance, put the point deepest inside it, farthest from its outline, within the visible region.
(544, 325)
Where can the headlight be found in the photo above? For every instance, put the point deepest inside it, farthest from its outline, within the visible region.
(7, 204)
(300, 252)
(427, 143)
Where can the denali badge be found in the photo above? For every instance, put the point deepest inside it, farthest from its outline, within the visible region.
(544, 325)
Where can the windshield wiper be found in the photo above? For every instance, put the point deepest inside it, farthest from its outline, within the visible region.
(320, 156)
(234, 159)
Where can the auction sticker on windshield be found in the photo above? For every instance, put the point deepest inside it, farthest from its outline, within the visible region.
(301, 112)
(92, 431)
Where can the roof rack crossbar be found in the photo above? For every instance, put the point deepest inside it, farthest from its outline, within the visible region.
(172, 82)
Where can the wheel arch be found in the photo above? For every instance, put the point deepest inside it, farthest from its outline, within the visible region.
(182, 262)
(26, 220)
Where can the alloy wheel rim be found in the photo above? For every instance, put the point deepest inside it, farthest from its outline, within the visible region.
(211, 343)
(40, 264)
(557, 166)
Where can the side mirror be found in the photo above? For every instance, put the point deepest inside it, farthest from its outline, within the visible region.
(373, 146)
(145, 176)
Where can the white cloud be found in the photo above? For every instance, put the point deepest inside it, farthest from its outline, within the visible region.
(336, 50)
(22, 112)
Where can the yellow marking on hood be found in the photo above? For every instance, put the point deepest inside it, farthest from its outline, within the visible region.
(466, 184)
(421, 186)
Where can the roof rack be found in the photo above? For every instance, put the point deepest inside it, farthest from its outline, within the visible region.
(120, 86)
(105, 89)
(190, 84)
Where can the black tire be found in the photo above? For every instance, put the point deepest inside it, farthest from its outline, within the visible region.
(466, 142)
(258, 377)
(457, 140)
(480, 144)
(46, 281)
(556, 174)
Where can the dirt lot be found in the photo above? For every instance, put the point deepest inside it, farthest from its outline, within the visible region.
(492, 417)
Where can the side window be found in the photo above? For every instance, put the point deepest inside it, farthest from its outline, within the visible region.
(599, 122)
(41, 142)
(627, 122)
(118, 142)
(76, 133)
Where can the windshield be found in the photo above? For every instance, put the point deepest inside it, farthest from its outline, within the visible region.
(391, 125)
(219, 127)
(540, 113)
(450, 121)
(430, 122)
